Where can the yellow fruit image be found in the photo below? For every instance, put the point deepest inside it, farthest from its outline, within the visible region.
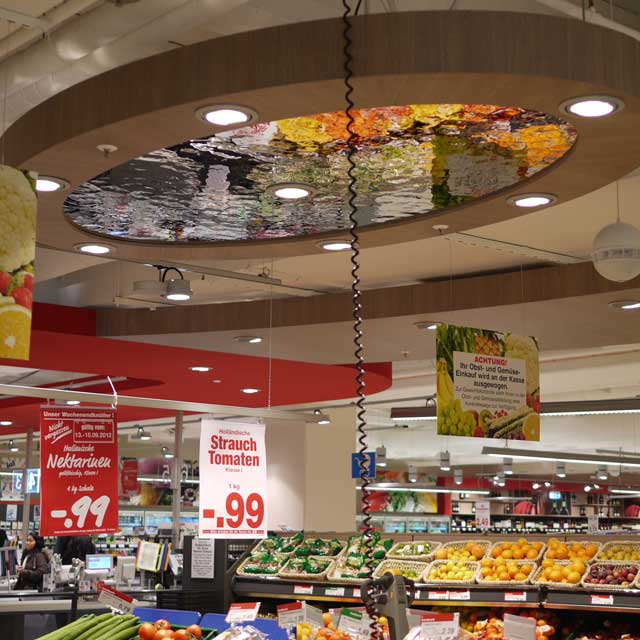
(531, 427)
(15, 331)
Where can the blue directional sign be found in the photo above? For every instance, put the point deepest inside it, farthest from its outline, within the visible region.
(370, 461)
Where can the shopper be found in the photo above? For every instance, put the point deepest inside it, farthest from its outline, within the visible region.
(33, 566)
(71, 547)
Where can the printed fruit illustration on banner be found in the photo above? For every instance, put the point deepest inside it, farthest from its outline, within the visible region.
(18, 205)
(488, 384)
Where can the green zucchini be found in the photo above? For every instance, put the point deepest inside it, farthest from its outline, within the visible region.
(62, 631)
(79, 630)
(125, 634)
(125, 622)
(108, 620)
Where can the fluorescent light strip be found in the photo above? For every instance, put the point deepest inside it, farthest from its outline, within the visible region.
(626, 492)
(377, 487)
(166, 480)
(559, 457)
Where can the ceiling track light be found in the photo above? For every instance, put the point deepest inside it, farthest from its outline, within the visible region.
(166, 453)
(381, 456)
(12, 446)
(445, 461)
(602, 473)
(561, 470)
(141, 434)
(323, 418)
(177, 290)
(457, 476)
(412, 474)
(507, 467)
(248, 339)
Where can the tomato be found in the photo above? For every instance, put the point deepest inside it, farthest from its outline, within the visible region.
(194, 631)
(27, 281)
(146, 631)
(181, 634)
(162, 624)
(164, 634)
(5, 283)
(23, 297)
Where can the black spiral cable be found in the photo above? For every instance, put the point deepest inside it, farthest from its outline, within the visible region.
(361, 423)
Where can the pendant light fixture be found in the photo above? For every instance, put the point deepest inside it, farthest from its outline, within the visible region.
(616, 249)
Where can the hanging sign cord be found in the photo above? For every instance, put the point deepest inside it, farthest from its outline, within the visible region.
(357, 316)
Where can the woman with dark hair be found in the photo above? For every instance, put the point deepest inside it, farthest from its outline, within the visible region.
(33, 566)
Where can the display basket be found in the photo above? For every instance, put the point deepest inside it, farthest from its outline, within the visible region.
(471, 564)
(582, 544)
(418, 557)
(334, 574)
(506, 583)
(288, 573)
(631, 545)
(316, 555)
(461, 544)
(243, 573)
(611, 587)
(401, 565)
(539, 555)
(555, 585)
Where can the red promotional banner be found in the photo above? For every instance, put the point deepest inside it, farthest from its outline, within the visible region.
(79, 471)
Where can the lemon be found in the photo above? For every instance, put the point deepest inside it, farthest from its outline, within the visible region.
(15, 332)
(531, 427)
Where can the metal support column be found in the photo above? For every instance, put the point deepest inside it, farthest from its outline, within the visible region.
(26, 504)
(176, 479)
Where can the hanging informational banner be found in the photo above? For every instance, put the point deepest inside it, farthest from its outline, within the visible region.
(79, 471)
(17, 253)
(488, 384)
(483, 515)
(233, 480)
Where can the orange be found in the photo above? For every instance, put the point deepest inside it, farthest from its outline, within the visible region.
(551, 554)
(500, 561)
(477, 551)
(326, 619)
(469, 546)
(507, 554)
(591, 549)
(15, 331)
(520, 577)
(522, 541)
(537, 545)
(486, 571)
(562, 553)
(518, 554)
(574, 577)
(513, 571)
(555, 575)
(496, 551)
(547, 562)
(526, 569)
(532, 554)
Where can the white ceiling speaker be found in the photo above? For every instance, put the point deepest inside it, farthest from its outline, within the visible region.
(616, 252)
(616, 249)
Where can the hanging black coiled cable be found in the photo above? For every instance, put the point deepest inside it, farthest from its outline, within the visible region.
(357, 314)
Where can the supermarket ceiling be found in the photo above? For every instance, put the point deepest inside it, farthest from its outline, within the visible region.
(488, 237)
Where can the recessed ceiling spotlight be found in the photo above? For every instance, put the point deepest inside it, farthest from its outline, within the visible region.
(141, 434)
(547, 484)
(13, 447)
(535, 485)
(335, 245)
(625, 305)
(531, 200)
(250, 390)
(427, 324)
(291, 190)
(178, 290)
(248, 339)
(445, 461)
(6, 423)
(73, 403)
(166, 453)
(324, 420)
(49, 184)
(587, 488)
(224, 115)
(595, 106)
(94, 249)
(200, 368)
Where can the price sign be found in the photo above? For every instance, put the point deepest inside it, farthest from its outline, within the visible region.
(593, 524)
(602, 600)
(354, 622)
(460, 595)
(334, 592)
(440, 626)
(116, 600)
(79, 471)
(233, 480)
(242, 612)
(303, 589)
(515, 596)
(519, 628)
(483, 515)
(437, 595)
(295, 613)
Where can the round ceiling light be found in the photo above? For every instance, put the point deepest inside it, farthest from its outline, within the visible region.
(595, 106)
(94, 249)
(291, 190)
(224, 115)
(335, 245)
(250, 390)
(531, 200)
(200, 368)
(625, 305)
(73, 403)
(49, 184)
(6, 423)
(616, 252)
(179, 290)
(248, 339)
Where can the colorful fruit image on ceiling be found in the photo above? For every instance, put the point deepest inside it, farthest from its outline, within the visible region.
(410, 160)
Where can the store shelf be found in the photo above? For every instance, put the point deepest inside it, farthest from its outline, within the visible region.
(627, 601)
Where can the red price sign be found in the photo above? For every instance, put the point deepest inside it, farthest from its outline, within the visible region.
(233, 480)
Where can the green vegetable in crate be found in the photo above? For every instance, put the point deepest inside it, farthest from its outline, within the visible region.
(289, 544)
(104, 627)
(264, 564)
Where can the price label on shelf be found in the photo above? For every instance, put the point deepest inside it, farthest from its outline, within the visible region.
(242, 612)
(602, 600)
(437, 595)
(79, 461)
(460, 595)
(356, 592)
(303, 589)
(233, 480)
(515, 596)
(440, 626)
(334, 592)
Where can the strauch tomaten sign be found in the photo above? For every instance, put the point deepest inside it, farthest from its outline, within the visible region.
(79, 471)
